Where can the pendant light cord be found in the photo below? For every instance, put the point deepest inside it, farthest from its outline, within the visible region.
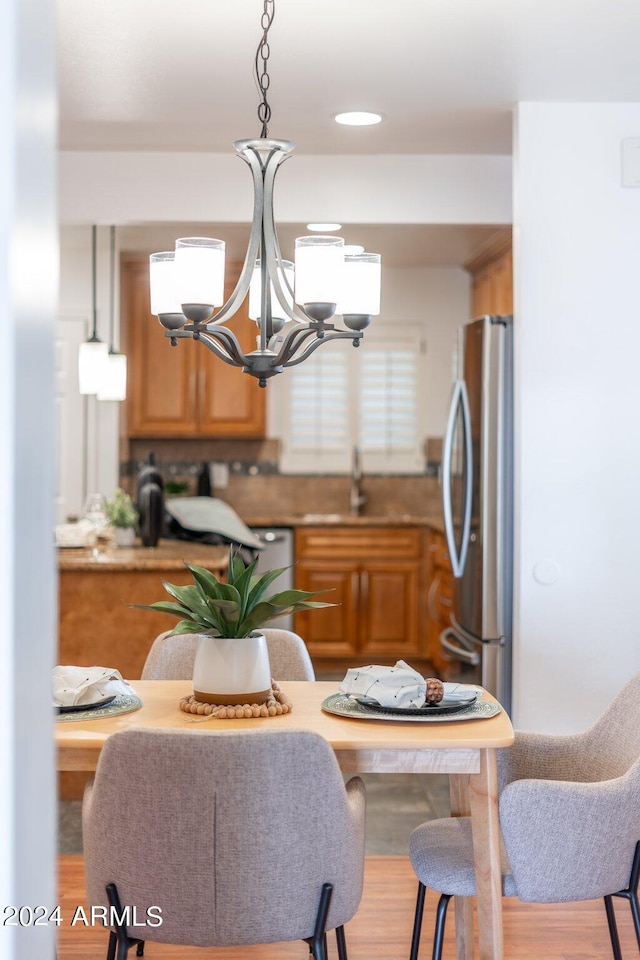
(112, 258)
(261, 74)
(94, 332)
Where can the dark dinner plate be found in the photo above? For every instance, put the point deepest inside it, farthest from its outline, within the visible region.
(445, 706)
(76, 707)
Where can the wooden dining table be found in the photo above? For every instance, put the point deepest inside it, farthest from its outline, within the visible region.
(465, 750)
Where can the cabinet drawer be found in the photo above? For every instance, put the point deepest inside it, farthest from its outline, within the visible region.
(337, 543)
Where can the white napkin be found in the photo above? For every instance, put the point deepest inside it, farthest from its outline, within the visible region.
(398, 686)
(74, 686)
(80, 534)
(460, 691)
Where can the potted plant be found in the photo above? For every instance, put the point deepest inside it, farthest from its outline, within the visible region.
(232, 661)
(123, 517)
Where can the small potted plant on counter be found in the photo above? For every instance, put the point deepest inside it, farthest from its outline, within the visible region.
(123, 517)
(232, 661)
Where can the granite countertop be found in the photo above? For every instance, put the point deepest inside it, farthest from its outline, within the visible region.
(168, 555)
(344, 519)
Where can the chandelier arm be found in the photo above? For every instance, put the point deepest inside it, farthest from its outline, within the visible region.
(293, 341)
(231, 353)
(272, 246)
(356, 336)
(244, 280)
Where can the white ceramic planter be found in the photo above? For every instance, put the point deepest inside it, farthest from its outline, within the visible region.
(233, 670)
(124, 536)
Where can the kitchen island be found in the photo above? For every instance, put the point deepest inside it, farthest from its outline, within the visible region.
(96, 625)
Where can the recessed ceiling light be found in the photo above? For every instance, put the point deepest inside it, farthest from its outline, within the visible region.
(358, 118)
(353, 249)
(324, 227)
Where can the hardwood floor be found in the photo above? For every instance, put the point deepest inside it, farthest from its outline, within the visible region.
(382, 926)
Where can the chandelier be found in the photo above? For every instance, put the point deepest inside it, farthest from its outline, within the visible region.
(292, 305)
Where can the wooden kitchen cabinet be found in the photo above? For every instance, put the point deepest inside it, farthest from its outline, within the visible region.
(183, 391)
(439, 598)
(375, 575)
(492, 277)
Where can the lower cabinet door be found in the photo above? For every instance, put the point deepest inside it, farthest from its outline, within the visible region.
(331, 631)
(389, 604)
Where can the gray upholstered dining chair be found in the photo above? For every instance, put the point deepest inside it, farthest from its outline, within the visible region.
(570, 821)
(238, 837)
(172, 657)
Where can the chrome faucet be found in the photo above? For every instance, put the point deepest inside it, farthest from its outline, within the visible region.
(357, 498)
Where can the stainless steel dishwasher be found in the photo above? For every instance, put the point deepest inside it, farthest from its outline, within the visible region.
(278, 552)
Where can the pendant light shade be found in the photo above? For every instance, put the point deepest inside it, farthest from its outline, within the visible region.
(93, 354)
(319, 269)
(361, 285)
(199, 267)
(92, 361)
(114, 381)
(162, 284)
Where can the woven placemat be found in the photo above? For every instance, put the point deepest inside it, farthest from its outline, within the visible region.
(125, 703)
(275, 706)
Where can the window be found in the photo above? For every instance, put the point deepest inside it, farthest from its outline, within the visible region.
(372, 396)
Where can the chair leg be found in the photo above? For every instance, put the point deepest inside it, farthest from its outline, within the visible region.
(417, 922)
(119, 940)
(341, 943)
(630, 893)
(441, 916)
(318, 942)
(613, 928)
(111, 952)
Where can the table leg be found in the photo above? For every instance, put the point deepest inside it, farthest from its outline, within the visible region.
(459, 796)
(483, 798)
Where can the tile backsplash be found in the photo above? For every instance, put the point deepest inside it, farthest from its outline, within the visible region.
(255, 488)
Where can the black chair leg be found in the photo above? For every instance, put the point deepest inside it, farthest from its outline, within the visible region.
(341, 943)
(630, 893)
(111, 952)
(318, 942)
(441, 916)
(613, 928)
(417, 922)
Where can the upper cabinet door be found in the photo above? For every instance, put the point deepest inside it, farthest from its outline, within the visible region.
(162, 380)
(183, 391)
(230, 402)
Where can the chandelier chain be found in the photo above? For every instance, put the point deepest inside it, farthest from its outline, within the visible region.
(261, 73)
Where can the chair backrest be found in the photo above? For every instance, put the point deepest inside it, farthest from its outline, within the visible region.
(172, 657)
(231, 833)
(612, 744)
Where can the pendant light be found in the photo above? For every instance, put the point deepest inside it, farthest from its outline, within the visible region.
(93, 354)
(114, 380)
(294, 316)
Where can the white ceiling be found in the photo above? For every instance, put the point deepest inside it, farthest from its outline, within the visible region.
(160, 75)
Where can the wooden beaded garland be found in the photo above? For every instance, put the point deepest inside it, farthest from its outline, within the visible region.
(276, 705)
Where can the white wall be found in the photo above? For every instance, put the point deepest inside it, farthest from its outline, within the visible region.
(577, 237)
(151, 187)
(97, 460)
(28, 275)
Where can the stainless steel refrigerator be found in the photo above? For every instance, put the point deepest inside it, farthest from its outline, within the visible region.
(477, 495)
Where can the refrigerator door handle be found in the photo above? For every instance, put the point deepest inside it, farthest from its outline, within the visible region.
(460, 399)
(471, 637)
(459, 652)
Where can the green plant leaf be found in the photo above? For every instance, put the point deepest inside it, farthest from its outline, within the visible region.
(206, 580)
(259, 585)
(190, 626)
(162, 606)
(296, 596)
(236, 564)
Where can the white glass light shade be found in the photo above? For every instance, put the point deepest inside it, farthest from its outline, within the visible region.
(319, 265)
(199, 266)
(92, 361)
(114, 381)
(361, 286)
(162, 283)
(255, 293)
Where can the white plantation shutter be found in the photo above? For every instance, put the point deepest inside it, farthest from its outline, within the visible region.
(371, 396)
